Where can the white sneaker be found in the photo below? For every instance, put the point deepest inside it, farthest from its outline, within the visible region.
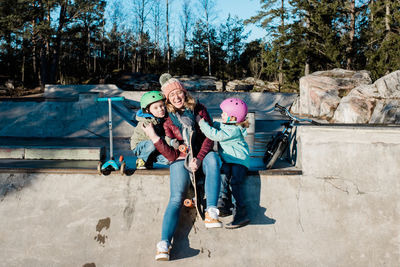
(211, 218)
(163, 249)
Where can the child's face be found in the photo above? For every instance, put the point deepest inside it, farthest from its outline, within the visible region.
(157, 109)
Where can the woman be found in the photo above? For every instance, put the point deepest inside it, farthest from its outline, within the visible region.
(180, 124)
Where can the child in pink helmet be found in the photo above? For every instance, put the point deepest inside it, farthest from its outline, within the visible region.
(234, 152)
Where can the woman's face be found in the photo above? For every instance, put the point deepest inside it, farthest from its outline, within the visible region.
(177, 98)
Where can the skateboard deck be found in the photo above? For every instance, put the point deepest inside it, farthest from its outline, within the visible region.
(197, 179)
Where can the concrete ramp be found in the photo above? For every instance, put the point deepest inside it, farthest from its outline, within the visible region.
(92, 220)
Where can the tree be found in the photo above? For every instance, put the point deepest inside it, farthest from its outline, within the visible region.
(199, 45)
(273, 18)
(186, 23)
(208, 8)
(167, 29)
(314, 40)
(142, 9)
(382, 37)
(232, 35)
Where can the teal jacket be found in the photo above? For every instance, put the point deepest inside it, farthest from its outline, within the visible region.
(232, 146)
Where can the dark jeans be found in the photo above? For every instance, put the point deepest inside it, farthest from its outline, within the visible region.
(232, 192)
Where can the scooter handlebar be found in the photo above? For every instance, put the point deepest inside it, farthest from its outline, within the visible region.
(105, 99)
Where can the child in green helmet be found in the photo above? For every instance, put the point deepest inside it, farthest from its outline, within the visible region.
(152, 112)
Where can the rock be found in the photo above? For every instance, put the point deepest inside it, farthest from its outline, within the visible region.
(321, 92)
(375, 103)
(319, 96)
(9, 85)
(389, 85)
(386, 112)
(198, 83)
(354, 108)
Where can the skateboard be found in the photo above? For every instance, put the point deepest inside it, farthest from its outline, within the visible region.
(197, 179)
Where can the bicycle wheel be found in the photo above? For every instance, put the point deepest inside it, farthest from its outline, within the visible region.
(276, 150)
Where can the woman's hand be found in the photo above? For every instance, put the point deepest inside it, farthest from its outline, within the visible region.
(194, 164)
(198, 118)
(149, 131)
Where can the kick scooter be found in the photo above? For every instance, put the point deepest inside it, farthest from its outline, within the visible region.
(111, 164)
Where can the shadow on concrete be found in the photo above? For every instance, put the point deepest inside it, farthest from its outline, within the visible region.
(12, 183)
(253, 192)
(181, 246)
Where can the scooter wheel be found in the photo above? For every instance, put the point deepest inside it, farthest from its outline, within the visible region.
(123, 168)
(106, 171)
(99, 168)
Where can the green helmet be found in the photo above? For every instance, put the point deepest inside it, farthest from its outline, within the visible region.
(150, 97)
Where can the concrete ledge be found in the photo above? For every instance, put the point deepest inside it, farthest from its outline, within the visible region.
(52, 153)
(90, 167)
(12, 152)
(355, 152)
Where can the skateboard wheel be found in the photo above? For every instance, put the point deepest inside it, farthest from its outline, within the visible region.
(183, 148)
(121, 158)
(188, 203)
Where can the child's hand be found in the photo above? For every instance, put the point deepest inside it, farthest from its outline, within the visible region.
(198, 118)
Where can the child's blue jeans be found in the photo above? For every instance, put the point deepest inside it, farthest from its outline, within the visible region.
(232, 186)
(179, 184)
(145, 148)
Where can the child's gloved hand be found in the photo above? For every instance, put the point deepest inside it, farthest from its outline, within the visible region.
(198, 118)
(175, 143)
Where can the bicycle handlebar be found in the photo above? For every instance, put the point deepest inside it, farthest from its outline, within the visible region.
(285, 111)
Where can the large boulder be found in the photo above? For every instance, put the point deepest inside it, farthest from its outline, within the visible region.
(375, 103)
(198, 83)
(356, 107)
(321, 92)
(386, 111)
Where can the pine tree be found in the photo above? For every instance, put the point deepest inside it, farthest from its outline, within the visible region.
(383, 38)
(273, 17)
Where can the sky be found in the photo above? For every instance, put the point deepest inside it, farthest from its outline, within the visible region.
(244, 9)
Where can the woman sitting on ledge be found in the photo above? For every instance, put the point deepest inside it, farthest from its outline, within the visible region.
(179, 126)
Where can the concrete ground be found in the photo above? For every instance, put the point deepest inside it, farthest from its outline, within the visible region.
(58, 219)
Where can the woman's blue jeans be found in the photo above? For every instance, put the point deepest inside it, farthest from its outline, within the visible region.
(179, 185)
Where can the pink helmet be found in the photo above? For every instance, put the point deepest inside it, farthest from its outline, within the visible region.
(234, 107)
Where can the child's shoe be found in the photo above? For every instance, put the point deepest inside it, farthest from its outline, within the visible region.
(140, 164)
(163, 249)
(238, 221)
(148, 165)
(225, 207)
(211, 218)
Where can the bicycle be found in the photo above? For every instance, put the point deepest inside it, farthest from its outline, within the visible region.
(279, 143)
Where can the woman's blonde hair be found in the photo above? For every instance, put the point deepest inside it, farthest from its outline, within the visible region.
(190, 103)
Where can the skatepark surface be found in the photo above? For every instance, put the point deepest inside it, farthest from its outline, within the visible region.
(338, 205)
